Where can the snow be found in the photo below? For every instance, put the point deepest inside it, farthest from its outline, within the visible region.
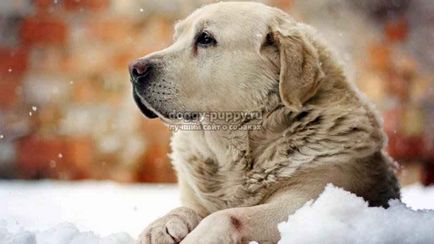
(418, 197)
(85, 212)
(338, 216)
(88, 212)
(63, 233)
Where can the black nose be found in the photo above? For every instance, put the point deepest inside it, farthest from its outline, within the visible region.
(139, 69)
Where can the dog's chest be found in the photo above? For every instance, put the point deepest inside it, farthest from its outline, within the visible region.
(221, 182)
(218, 187)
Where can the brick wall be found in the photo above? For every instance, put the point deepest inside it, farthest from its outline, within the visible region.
(65, 106)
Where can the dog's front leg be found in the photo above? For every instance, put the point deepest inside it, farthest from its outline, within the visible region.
(244, 224)
(171, 228)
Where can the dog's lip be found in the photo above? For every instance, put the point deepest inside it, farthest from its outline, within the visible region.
(147, 110)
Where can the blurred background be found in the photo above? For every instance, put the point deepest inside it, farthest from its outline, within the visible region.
(66, 110)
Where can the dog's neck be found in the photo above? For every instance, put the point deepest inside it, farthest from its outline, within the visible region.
(277, 123)
(243, 145)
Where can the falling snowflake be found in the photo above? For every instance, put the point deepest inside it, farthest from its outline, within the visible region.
(60, 155)
(34, 108)
(10, 70)
(2, 136)
(71, 82)
(30, 113)
(141, 10)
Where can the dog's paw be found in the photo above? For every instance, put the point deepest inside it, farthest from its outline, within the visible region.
(217, 228)
(171, 228)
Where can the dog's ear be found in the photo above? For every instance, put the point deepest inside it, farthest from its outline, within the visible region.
(300, 68)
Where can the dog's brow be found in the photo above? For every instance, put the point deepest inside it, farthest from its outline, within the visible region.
(202, 25)
(182, 25)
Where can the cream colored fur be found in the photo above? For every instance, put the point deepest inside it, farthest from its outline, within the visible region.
(236, 186)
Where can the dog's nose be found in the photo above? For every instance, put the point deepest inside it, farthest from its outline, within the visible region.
(139, 69)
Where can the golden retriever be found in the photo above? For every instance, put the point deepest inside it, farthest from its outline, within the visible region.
(238, 180)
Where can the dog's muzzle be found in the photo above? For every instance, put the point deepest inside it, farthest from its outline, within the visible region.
(140, 72)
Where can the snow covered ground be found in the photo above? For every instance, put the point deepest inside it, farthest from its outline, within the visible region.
(107, 213)
(94, 210)
(338, 216)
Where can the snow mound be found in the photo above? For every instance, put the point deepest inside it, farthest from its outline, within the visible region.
(338, 216)
(61, 234)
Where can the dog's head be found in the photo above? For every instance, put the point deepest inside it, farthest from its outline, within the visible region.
(228, 57)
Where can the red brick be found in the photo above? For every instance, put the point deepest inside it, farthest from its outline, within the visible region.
(380, 56)
(396, 30)
(9, 84)
(35, 153)
(110, 30)
(44, 30)
(398, 85)
(122, 60)
(49, 59)
(85, 91)
(121, 174)
(155, 131)
(80, 152)
(77, 5)
(72, 157)
(155, 166)
(43, 4)
(46, 115)
(402, 147)
(75, 162)
(13, 61)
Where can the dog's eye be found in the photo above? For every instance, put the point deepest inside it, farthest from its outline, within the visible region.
(205, 39)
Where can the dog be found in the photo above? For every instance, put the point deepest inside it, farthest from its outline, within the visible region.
(315, 127)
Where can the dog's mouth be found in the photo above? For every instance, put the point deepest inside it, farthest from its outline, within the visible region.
(144, 108)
